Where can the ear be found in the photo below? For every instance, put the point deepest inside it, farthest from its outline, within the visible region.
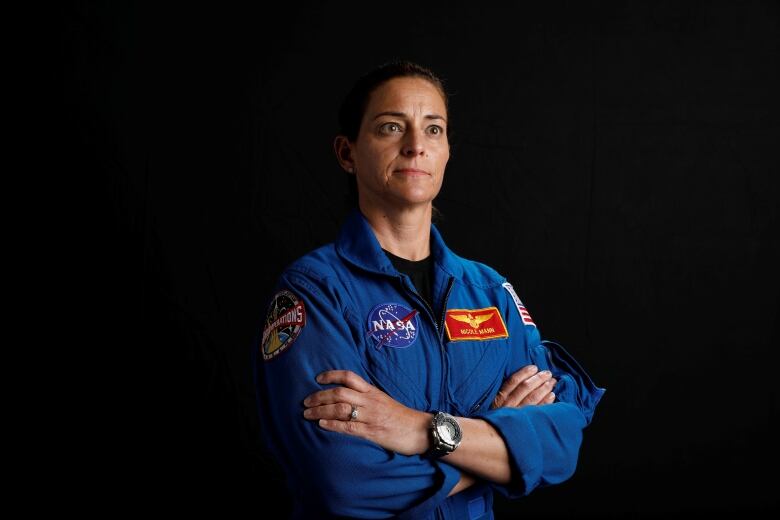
(343, 149)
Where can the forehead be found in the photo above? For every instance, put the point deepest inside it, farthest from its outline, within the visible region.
(408, 95)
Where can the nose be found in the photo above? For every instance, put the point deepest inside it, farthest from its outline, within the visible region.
(413, 143)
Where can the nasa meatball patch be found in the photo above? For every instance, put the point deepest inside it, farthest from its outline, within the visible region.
(393, 325)
(284, 321)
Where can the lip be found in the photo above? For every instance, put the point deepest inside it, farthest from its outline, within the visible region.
(412, 171)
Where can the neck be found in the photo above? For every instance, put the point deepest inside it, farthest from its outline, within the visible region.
(405, 232)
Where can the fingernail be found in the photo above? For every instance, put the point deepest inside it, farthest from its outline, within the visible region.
(307, 401)
(307, 412)
(546, 373)
(319, 378)
(552, 394)
(534, 368)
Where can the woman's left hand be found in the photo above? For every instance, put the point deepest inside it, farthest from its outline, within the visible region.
(380, 418)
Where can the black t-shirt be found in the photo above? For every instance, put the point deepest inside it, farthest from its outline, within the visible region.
(418, 270)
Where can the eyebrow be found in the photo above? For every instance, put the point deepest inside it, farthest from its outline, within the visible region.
(401, 114)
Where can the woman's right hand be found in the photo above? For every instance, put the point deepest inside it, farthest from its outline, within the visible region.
(526, 386)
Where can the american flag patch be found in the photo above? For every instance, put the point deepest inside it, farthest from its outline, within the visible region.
(524, 315)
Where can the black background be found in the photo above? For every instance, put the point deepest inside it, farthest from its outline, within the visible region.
(617, 162)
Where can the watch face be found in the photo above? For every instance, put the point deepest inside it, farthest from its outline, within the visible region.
(448, 432)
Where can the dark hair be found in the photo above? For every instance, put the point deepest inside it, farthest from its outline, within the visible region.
(354, 105)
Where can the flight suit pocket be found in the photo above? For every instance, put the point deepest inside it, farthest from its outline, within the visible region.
(475, 371)
(391, 377)
(473, 503)
(399, 372)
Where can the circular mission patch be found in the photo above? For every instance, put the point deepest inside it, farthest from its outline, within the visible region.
(393, 325)
(284, 321)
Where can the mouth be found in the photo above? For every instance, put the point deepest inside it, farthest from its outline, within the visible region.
(412, 171)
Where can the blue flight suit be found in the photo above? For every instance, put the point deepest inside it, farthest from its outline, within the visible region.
(344, 306)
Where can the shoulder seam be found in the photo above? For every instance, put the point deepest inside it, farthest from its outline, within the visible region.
(489, 281)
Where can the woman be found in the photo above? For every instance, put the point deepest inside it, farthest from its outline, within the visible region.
(394, 377)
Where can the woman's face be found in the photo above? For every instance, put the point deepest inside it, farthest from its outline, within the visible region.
(402, 149)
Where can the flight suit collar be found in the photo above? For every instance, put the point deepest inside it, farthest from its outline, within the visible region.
(358, 244)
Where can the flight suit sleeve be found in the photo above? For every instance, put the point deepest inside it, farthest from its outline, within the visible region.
(543, 440)
(307, 331)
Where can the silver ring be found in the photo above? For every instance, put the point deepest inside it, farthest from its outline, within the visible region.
(354, 414)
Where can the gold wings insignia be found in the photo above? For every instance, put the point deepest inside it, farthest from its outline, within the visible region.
(471, 320)
(479, 319)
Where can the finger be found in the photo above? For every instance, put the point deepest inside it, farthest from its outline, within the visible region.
(498, 400)
(526, 387)
(521, 392)
(346, 378)
(512, 382)
(349, 427)
(549, 399)
(537, 396)
(338, 411)
(340, 394)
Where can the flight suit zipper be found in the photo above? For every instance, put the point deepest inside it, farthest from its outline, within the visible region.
(438, 326)
(479, 403)
(445, 374)
(483, 397)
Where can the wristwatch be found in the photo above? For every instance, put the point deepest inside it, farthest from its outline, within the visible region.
(445, 433)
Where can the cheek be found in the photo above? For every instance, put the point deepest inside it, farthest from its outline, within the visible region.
(443, 163)
(443, 157)
(379, 158)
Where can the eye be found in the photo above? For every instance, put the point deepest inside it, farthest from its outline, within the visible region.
(390, 127)
(436, 129)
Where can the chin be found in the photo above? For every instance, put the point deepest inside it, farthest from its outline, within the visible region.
(417, 198)
(413, 203)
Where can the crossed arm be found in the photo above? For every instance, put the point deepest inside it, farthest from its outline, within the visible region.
(482, 453)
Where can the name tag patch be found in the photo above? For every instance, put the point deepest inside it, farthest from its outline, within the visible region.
(475, 324)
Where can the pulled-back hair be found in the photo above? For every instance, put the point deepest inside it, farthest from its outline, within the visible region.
(354, 104)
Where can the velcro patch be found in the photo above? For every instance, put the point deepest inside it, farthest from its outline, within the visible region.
(526, 317)
(393, 325)
(284, 321)
(475, 324)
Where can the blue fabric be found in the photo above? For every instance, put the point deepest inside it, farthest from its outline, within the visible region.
(334, 474)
